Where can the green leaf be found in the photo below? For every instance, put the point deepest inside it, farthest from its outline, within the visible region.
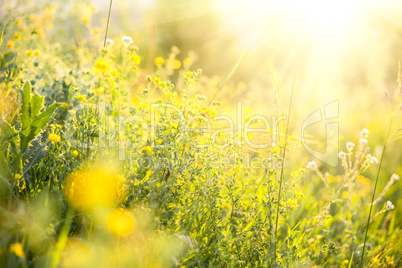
(37, 124)
(25, 109)
(36, 104)
(11, 135)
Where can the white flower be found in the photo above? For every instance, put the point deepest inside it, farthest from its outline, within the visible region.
(395, 177)
(109, 42)
(364, 133)
(350, 146)
(311, 164)
(127, 39)
(341, 155)
(390, 205)
(363, 141)
(374, 160)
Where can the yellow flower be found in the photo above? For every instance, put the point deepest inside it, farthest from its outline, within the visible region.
(29, 53)
(10, 44)
(121, 222)
(65, 105)
(136, 59)
(98, 185)
(148, 149)
(17, 36)
(157, 80)
(18, 250)
(37, 52)
(102, 65)
(159, 61)
(74, 153)
(72, 112)
(188, 62)
(99, 91)
(176, 64)
(17, 177)
(54, 138)
(188, 75)
(18, 21)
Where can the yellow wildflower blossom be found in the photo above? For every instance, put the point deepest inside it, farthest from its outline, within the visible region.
(121, 222)
(54, 138)
(136, 59)
(159, 61)
(29, 53)
(176, 64)
(102, 65)
(18, 250)
(10, 44)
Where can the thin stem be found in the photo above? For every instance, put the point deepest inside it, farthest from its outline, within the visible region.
(283, 164)
(376, 180)
(107, 24)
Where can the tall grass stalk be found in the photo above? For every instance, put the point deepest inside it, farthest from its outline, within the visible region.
(281, 178)
(378, 175)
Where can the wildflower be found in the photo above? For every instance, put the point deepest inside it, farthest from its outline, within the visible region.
(29, 53)
(54, 138)
(74, 153)
(136, 59)
(188, 62)
(350, 146)
(72, 112)
(17, 177)
(374, 160)
(159, 61)
(311, 164)
(109, 42)
(390, 205)
(341, 155)
(395, 177)
(102, 65)
(18, 250)
(127, 40)
(319, 224)
(99, 91)
(10, 44)
(145, 90)
(17, 36)
(188, 75)
(121, 222)
(363, 141)
(158, 141)
(65, 105)
(37, 52)
(148, 149)
(98, 185)
(364, 133)
(176, 64)
(217, 103)
(157, 80)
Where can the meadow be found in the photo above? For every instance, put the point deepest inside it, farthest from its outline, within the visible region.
(130, 143)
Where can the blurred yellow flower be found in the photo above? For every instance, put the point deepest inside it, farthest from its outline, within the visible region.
(54, 138)
(121, 222)
(74, 153)
(17, 36)
(29, 53)
(10, 44)
(176, 64)
(99, 91)
(136, 59)
(102, 65)
(148, 149)
(159, 61)
(188, 62)
(17, 177)
(37, 52)
(18, 250)
(98, 185)
(72, 112)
